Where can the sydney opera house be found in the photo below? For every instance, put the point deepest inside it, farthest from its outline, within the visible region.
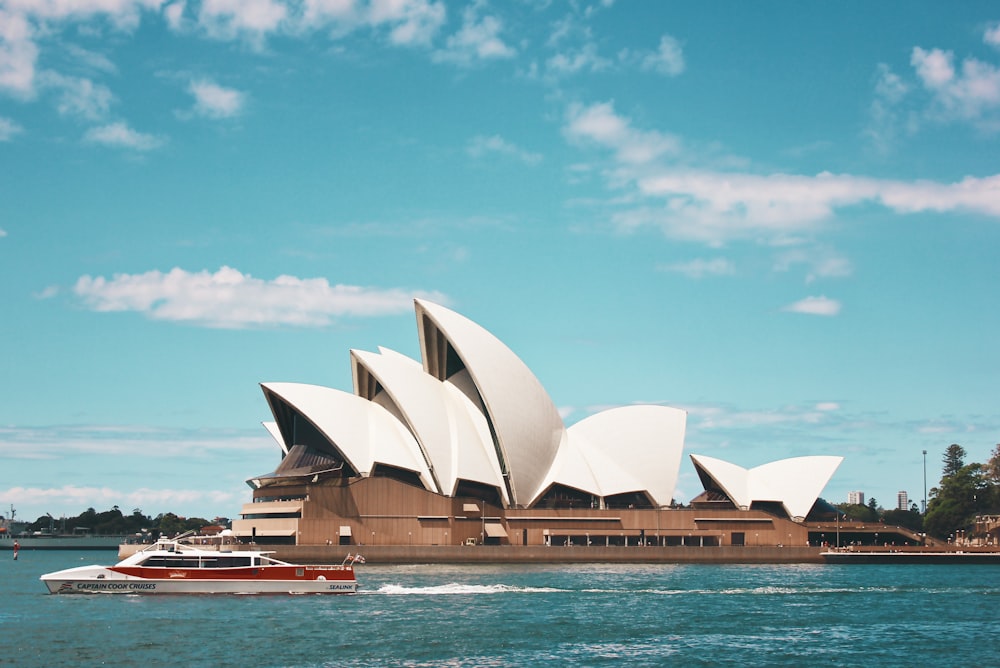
(466, 447)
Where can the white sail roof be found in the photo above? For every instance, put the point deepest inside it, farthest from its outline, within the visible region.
(272, 429)
(451, 431)
(796, 482)
(364, 433)
(634, 449)
(527, 425)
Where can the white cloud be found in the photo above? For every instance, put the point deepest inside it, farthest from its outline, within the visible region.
(409, 22)
(586, 58)
(78, 96)
(992, 35)
(231, 299)
(414, 21)
(481, 145)
(91, 59)
(715, 207)
(3, 233)
(599, 124)
(60, 441)
(964, 94)
(120, 135)
(214, 101)
(668, 59)
(821, 263)
(124, 14)
(8, 129)
(18, 53)
(477, 39)
(815, 306)
(22, 21)
(828, 406)
(700, 268)
(317, 12)
(884, 115)
(174, 14)
(234, 19)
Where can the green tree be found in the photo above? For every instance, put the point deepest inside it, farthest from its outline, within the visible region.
(910, 519)
(955, 503)
(856, 512)
(954, 460)
(993, 465)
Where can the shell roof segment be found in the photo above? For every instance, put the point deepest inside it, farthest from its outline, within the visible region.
(625, 449)
(796, 482)
(526, 426)
(452, 433)
(360, 431)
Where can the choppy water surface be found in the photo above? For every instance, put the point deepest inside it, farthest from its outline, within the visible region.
(587, 615)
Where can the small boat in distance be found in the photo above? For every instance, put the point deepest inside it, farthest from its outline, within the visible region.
(171, 566)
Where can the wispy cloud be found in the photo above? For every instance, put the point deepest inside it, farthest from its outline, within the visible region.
(231, 299)
(8, 129)
(61, 441)
(820, 263)
(252, 20)
(18, 53)
(406, 22)
(120, 135)
(78, 96)
(92, 60)
(214, 101)
(815, 306)
(569, 61)
(668, 59)
(700, 268)
(211, 485)
(482, 145)
(599, 124)
(884, 115)
(720, 206)
(715, 207)
(24, 23)
(478, 39)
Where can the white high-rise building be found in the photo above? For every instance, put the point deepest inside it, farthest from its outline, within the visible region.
(856, 498)
(902, 500)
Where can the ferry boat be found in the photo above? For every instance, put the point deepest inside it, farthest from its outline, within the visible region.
(171, 566)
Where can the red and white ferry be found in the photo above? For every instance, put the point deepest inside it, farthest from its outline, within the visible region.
(170, 566)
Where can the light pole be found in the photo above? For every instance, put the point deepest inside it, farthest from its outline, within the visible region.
(925, 482)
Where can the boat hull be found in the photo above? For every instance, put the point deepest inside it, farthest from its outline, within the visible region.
(101, 580)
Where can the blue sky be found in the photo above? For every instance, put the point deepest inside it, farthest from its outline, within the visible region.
(784, 219)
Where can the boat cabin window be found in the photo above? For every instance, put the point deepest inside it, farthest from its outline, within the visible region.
(193, 561)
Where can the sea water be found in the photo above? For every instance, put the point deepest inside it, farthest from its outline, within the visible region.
(523, 615)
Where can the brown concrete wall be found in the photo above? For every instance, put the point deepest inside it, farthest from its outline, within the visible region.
(516, 554)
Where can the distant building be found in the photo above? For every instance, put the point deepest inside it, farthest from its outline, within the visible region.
(902, 500)
(856, 498)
